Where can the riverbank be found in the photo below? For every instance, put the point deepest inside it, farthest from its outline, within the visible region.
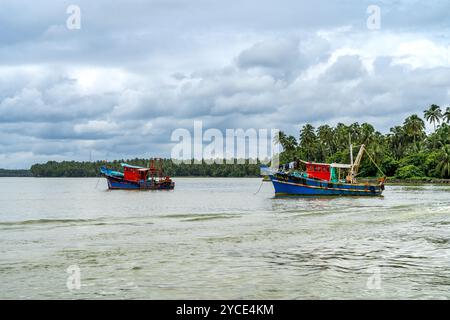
(418, 181)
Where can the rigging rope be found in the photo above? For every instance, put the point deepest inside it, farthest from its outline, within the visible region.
(374, 162)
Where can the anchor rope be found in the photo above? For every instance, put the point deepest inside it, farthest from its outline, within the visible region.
(98, 180)
(262, 181)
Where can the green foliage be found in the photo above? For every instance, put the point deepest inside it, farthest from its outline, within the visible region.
(390, 166)
(92, 169)
(406, 151)
(416, 159)
(431, 163)
(408, 171)
(443, 167)
(14, 173)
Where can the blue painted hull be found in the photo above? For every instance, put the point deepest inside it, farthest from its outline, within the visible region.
(285, 184)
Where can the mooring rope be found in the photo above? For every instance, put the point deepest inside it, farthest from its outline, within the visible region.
(98, 180)
(262, 181)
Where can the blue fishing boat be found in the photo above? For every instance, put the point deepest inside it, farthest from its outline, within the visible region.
(322, 179)
(138, 178)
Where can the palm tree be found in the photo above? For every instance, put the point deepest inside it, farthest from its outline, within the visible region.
(444, 133)
(377, 151)
(325, 135)
(341, 136)
(446, 115)
(367, 134)
(289, 145)
(443, 166)
(287, 142)
(414, 127)
(434, 140)
(397, 141)
(355, 132)
(279, 138)
(433, 114)
(308, 140)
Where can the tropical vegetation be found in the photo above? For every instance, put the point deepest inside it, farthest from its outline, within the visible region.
(405, 152)
(92, 169)
(14, 173)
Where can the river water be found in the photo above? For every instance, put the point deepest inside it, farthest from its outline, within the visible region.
(214, 238)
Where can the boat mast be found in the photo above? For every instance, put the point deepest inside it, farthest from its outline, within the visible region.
(352, 176)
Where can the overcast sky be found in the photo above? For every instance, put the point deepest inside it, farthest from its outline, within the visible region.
(137, 70)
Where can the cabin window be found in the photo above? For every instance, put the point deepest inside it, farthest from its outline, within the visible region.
(318, 169)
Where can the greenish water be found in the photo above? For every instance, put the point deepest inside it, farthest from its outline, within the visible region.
(216, 239)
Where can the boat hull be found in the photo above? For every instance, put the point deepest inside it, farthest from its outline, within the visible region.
(118, 183)
(285, 184)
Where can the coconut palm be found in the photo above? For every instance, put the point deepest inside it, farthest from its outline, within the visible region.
(446, 115)
(325, 135)
(341, 136)
(355, 132)
(308, 141)
(289, 145)
(414, 127)
(286, 141)
(367, 134)
(397, 141)
(378, 147)
(444, 133)
(443, 167)
(279, 138)
(434, 140)
(433, 115)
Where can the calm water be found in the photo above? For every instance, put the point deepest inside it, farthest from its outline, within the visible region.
(215, 238)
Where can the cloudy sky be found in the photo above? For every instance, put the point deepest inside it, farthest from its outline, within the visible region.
(137, 70)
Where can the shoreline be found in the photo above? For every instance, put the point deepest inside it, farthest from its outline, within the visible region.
(419, 182)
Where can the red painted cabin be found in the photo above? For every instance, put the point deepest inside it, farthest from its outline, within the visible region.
(135, 174)
(318, 171)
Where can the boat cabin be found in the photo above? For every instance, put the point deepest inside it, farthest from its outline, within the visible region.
(318, 170)
(135, 174)
(325, 171)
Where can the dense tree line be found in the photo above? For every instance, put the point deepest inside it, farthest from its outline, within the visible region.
(92, 169)
(14, 173)
(405, 152)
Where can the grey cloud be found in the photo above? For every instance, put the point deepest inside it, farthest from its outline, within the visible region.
(57, 102)
(344, 69)
(281, 54)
